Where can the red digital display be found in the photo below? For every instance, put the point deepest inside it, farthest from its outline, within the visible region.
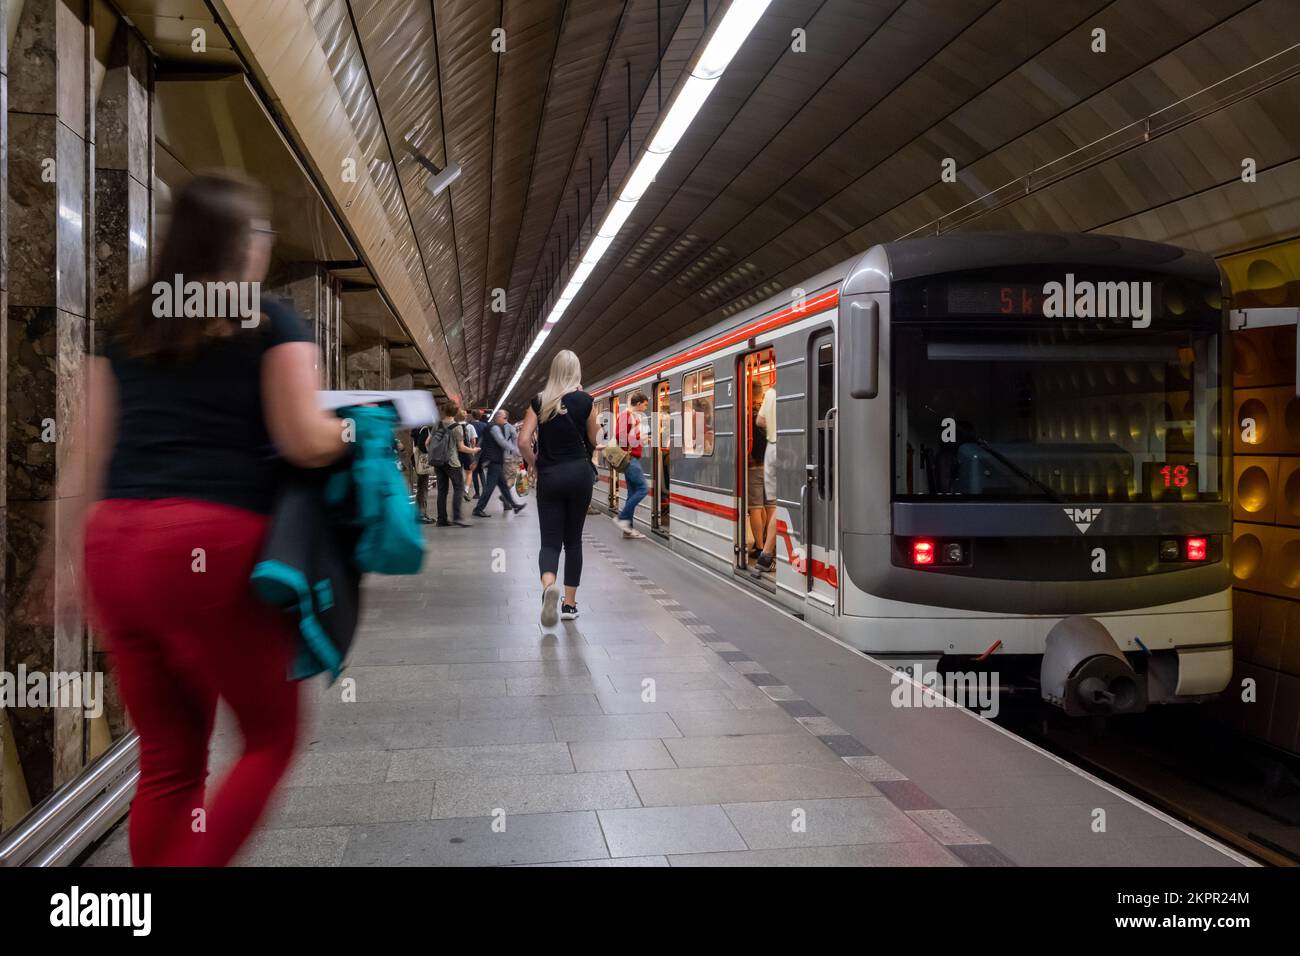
(993, 298)
(1170, 479)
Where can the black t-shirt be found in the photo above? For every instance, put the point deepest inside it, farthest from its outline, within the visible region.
(195, 429)
(564, 437)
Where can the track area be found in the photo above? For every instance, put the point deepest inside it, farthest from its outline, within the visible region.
(1183, 762)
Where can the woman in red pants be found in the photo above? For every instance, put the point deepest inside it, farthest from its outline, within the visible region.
(190, 417)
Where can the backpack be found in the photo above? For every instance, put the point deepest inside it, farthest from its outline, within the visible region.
(442, 442)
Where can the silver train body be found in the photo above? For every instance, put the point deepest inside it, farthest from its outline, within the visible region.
(1064, 470)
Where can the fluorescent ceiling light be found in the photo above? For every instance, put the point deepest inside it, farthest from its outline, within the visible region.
(727, 38)
(615, 218)
(647, 168)
(683, 111)
(597, 248)
(736, 25)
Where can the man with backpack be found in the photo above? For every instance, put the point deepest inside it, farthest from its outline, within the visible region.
(446, 447)
(494, 445)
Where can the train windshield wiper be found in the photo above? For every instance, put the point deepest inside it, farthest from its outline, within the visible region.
(1018, 471)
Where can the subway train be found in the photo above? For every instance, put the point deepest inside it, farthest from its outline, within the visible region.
(997, 453)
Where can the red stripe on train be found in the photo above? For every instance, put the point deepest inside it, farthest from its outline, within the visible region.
(818, 303)
(819, 569)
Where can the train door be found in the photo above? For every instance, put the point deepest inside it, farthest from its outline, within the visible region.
(820, 531)
(663, 426)
(607, 434)
(756, 521)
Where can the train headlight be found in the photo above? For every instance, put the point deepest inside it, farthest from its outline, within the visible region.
(1171, 550)
(1197, 549)
(953, 553)
(922, 552)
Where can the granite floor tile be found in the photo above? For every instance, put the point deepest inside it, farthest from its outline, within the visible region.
(757, 782)
(750, 749)
(869, 855)
(717, 723)
(621, 861)
(775, 824)
(554, 705)
(665, 701)
(527, 838)
(663, 830)
(614, 727)
(633, 683)
(465, 796)
(545, 686)
(309, 846)
(620, 755)
(439, 762)
(350, 804)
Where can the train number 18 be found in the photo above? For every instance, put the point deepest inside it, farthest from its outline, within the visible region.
(1175, 476)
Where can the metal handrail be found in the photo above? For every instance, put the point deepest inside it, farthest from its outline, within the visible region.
(68, 805)
(90, 825)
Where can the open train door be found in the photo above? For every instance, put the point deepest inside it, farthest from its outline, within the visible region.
(821, 532)
(612, 501)
(663, 445)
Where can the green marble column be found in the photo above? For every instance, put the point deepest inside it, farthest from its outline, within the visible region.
(50, 290)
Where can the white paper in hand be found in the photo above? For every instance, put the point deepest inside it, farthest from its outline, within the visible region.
(414, 407)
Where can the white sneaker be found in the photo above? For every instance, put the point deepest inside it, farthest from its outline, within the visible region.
(633, 534)
(624, 523)
(550, 606)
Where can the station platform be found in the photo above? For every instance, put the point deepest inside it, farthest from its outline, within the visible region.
(477, 738)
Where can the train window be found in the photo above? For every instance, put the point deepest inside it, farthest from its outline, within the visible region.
(825, 399)
(1061, 412)
(697, 412)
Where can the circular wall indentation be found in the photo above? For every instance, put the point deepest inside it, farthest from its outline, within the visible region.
(1291, 494)
(1245, 356)
(1247, 556)
(1253, 489)
(1267, 281)
(1289, 564)
(1291, 421)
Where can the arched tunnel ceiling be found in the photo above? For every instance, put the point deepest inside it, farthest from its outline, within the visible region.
(799, 159)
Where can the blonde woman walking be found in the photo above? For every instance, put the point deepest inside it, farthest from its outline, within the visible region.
(563, 420)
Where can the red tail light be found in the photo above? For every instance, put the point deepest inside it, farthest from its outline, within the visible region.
(923, 552)
(1196, 549)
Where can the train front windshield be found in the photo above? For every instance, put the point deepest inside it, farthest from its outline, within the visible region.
(996, 401)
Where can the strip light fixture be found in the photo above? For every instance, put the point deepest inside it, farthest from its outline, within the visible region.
(731, 32)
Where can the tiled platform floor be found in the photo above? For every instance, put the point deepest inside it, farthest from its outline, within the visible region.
(475, 738)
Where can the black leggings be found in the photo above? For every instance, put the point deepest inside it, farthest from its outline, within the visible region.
(563, 494)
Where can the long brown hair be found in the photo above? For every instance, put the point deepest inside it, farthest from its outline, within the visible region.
(207, 241)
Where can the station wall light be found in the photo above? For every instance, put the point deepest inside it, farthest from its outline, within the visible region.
(736, 25)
